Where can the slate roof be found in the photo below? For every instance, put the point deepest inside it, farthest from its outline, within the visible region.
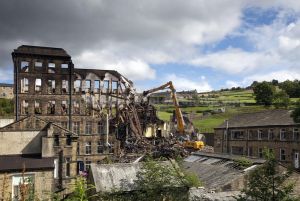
(260, 119)
(216, 170)
(11, 163)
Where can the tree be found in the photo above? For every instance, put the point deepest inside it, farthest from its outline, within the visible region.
(281, 99)
(264, 93)
(275, 82)
(296, 113)
(266, 183)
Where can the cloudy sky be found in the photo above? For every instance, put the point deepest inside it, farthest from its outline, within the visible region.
(198, 44)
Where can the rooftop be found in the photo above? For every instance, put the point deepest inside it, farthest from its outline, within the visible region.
(39, 50)
(259, 119)
(6, 85)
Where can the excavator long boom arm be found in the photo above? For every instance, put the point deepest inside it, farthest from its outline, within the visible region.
(178, 113)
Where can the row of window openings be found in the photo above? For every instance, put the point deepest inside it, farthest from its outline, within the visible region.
(101, 128)
(239, 150)
(38, 65)
(100, 147)
(51, 109)
(65, 86)
(270, 135)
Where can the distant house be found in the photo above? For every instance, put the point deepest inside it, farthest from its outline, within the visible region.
(248, 134)
(6, 91)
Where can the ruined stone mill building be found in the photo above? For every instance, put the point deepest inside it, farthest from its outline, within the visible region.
(76, 105)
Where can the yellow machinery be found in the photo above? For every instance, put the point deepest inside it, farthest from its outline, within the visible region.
(193, 144)
(179, 117)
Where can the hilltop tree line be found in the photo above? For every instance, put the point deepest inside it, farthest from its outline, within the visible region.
(276, 93)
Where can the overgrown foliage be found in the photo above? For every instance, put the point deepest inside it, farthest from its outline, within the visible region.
(281, 99)
(243, 162)
(264, 93)
(296, 113)
(6, 107)
(267, 183)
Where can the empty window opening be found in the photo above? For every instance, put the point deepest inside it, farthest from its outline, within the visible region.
(68, 140)
(283, 134)
(87, 165)
(296, 134)
(51, 86)
(100, 147)
(77, 85)
(56, 140)
(237, 134)
(114, 86)
(97, 86)
(51, 107)
(76, 127)
(64, 107)
(64, 65)
(271, 134)
(111, 147)
(38, 64)
(67, 160)
(65, 86)
(24, 85)
(38, 85)
(259, 134)
(51, 67)
(101, 127)
(87, 85)
(282, 154)
(76, 107)
(25, 107)
(37, 107)
(106, 86)
(24, 66)
(237, 150)
(78, 148)
(88, 148)
(88, 127)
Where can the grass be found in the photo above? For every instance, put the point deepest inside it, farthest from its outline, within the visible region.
(165, 116)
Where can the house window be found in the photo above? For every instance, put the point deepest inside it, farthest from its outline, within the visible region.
(88, 127)
(38, 85)
(100, 147)
(282, 154)
(237, 134)
(106, 86)
(97, 86)
(51, 67)
(88, 148)
(87, 85)
(25, 107)
(56, 168)
(64, 107)
(114, 86)
(21, 182)
(67, 160)
(260, 152)
(270, 134)
(237, 150)
(283, 134)
(38, 64)
(51, 107)
(78, 148)
(24, 66)
(56, 140)
(51, 86)
(296, 134)
(76, 107)
(68, 140)
(77, 85)
(87, 165)
(259, 134)
(65, 86)
(101, 128)
(24, 85)
(64, 65)
(76, 127)
(37, 107)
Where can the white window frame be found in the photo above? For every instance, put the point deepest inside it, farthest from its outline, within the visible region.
(282, 132)
(259, 134)
(269, 133)
(283, 154)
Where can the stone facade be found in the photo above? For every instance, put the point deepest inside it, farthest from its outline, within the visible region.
(6, 91)
(249, 134)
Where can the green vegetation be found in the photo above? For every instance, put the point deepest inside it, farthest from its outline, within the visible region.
(6, 107)
(243, 162)
(268, 183)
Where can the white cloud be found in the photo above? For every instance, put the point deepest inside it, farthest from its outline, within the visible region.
(233, 60)
(183, 83)
(230, 84)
